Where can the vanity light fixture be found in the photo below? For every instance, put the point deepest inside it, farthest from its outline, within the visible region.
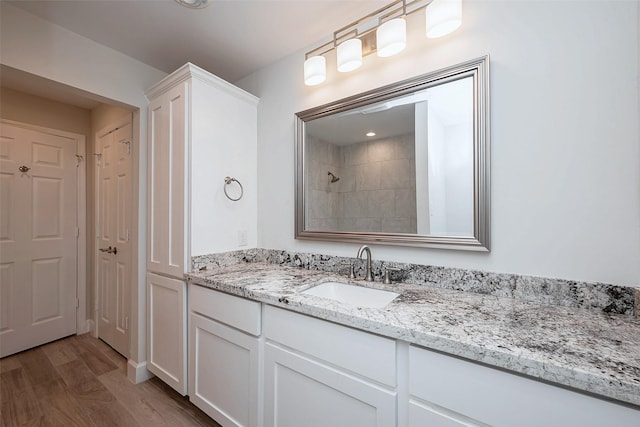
(315, 70)
(349, 55)
(391, 37)
(383, 31)
(443, 17)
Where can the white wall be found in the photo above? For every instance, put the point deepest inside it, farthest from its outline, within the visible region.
(565, 152)
(36, 46)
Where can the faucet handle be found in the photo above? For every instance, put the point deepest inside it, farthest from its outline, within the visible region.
(352, 273)
(387, 276)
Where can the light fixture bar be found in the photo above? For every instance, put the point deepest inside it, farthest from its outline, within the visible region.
(396, 8)
(377, 27)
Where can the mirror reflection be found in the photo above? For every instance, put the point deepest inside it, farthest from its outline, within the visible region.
(406, 164)
(398, 166)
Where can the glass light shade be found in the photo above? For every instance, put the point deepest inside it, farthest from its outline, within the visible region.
(443, 17)
(315, 70)
(391, 37)
(349, 55)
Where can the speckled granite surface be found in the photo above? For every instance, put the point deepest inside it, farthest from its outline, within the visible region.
(600, 297)
(585, 349)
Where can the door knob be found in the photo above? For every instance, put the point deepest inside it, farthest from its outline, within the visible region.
(24, 169)
(109, 250)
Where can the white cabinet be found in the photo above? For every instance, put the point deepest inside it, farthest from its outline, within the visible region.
(200, 130)
(224, 357)
(166, 330)
(322, 374)
(446, 391)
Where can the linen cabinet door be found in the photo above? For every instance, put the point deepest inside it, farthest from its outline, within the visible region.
(167, 330)
(167, 192)
(223, 372)
(303, 392)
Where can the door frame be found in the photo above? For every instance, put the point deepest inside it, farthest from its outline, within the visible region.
(82, 323)
(133, 232)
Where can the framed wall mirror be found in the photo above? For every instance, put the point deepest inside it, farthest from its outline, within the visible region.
(405, 164)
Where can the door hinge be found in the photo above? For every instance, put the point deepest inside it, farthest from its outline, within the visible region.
(128, 143)
(128, 235)
(77, 232)
(126, 322)
(77, 302)
(79, 159)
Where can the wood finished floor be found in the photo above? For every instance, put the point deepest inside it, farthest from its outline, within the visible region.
(81, 381)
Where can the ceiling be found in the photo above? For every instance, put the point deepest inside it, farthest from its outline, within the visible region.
(230, 38)
(36, 85)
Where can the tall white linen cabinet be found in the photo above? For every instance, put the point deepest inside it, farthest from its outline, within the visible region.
(202, 129)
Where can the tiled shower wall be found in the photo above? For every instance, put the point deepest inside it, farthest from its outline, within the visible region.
(376, 191)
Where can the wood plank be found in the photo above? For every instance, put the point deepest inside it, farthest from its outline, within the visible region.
(145, 408)
(60, 352)
(152, 405)
(96, 401)
(184, 411)
(18, 402)
(37, 366)
(95, 359)
(68, 393)
(59, 408)
(9, 363)
(108, 351)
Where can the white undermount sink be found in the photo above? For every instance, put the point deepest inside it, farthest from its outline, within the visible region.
(357, 296)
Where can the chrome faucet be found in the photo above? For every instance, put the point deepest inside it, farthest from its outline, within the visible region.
(368, 276)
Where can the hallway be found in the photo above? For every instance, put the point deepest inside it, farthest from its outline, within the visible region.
(81, 381)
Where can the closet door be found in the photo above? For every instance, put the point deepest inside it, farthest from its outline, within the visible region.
(38, 237)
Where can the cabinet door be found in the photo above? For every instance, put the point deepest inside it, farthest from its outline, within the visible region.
(303, 392)
(166, 330)
(223, 372)
(167, 192)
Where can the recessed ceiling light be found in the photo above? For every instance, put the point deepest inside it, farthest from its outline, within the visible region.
(193, 4)
(371, 134)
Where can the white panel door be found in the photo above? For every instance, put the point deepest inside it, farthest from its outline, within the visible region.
(167, 183)
(167, 330)
(38, 238)
(113, 265)
(223, 372)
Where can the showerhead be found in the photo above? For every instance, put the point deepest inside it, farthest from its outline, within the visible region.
(333, 177)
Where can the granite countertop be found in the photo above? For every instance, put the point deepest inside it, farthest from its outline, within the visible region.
(595, 352)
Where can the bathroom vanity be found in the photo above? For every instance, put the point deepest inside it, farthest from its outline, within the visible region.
(262, 352)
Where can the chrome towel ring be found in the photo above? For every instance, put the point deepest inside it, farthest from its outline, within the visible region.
(227, 181)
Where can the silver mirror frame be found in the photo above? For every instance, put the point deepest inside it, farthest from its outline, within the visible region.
(476, 68)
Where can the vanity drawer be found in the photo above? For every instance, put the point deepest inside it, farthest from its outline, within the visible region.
(363, 353)
(459, 389)
(236, 312)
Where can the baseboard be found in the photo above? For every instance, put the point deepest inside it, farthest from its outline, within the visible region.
(90, 327)
(138, 372)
